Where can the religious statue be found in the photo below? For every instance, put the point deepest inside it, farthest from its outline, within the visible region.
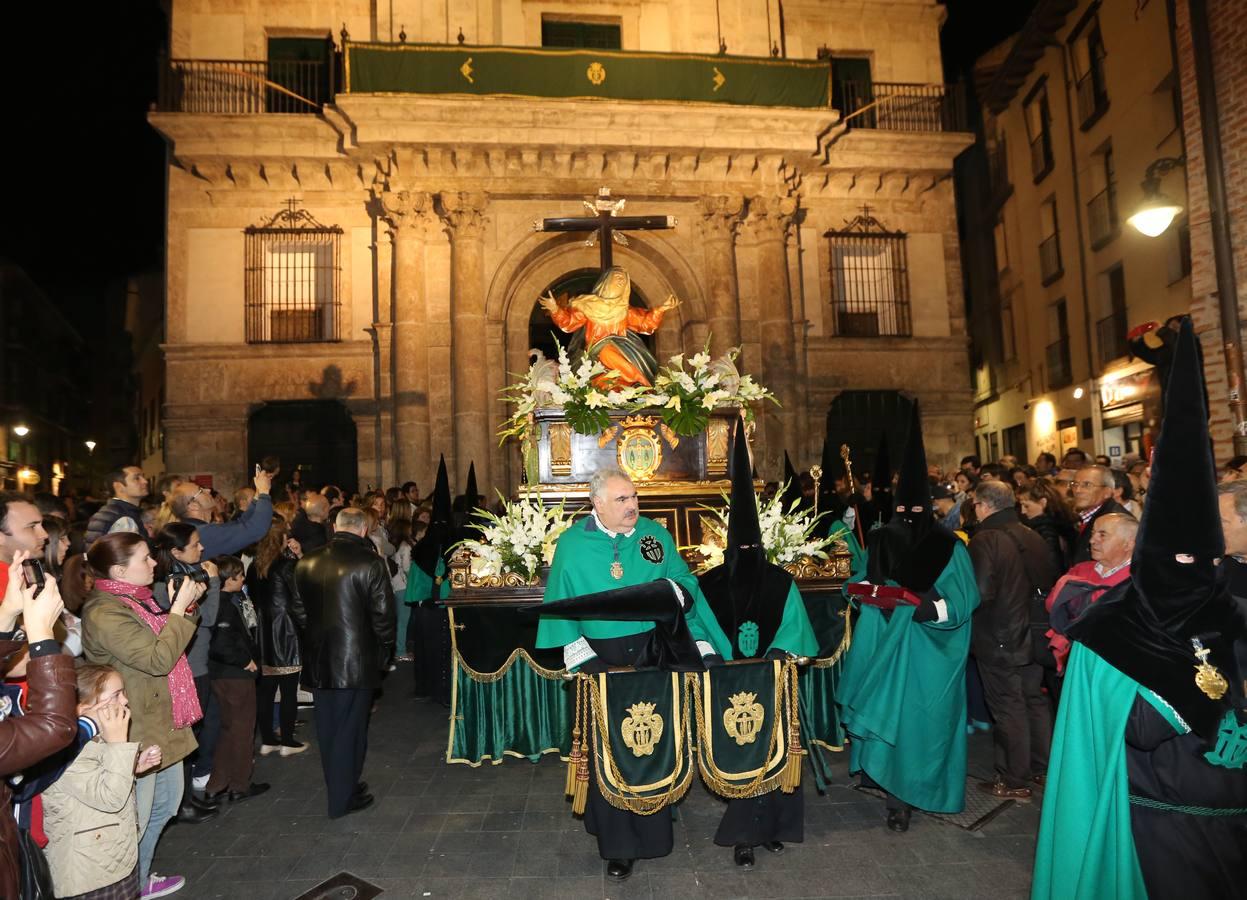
(611, 328)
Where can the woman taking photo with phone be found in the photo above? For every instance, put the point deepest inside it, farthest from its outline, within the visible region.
(124, 628)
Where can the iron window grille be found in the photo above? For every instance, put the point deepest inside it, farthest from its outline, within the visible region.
(293, 279)
(869, 279)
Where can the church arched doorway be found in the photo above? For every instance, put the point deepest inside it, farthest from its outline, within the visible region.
(860, 418)
(315, 437)
(542, 333)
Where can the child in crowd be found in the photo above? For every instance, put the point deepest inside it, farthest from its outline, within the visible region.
(234, 664)
(89, 814)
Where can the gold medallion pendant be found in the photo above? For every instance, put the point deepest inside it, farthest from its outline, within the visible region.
(616, 570)
(1207, 678)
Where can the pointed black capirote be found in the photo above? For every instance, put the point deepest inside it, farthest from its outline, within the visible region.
(470, 491)
(792, 491)
(441, 494)
(881, 481)
(1181, 514)
(913, 489)
(743, 529)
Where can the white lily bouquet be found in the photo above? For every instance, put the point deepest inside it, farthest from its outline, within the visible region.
(787, 534)
(520, 540)
(685, 393)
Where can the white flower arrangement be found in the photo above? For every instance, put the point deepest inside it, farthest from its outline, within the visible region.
(684, 393)
(520, 540)
(787, 535)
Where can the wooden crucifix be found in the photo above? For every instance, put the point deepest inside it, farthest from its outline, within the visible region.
(605, 224)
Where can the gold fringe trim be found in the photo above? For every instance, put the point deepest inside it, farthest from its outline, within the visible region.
(715, 778)
(517, 654)
(845, 642)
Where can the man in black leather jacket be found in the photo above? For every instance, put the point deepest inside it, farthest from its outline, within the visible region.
(351, 627)
(1014, 571)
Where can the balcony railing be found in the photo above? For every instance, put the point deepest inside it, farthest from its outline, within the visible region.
(1102, 217)
(998, 167)
(1092, 98)
(895, 106)
(1050, 259)
(1059, 374)
(241, 87)
(1111, 337)
(1041, 155)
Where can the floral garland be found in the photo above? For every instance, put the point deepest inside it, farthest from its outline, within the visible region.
(684, 394)
(520, 540)
(787, 535)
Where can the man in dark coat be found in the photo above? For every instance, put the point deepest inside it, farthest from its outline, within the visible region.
(1014, 572)
(760, 610)
(351, 625)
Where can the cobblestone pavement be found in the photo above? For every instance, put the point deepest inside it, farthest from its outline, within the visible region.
(505, 831)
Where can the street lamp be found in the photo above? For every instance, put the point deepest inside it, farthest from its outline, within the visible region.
(90, 446)
(1157, 211)
(21, 430)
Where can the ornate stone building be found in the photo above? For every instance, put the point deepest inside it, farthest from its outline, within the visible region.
(352, 275)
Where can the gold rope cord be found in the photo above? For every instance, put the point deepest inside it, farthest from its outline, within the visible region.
(845, 642)
(715, 778)
(625, 798)
(790, 779)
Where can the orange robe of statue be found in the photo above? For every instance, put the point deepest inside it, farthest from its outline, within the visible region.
(611, 326)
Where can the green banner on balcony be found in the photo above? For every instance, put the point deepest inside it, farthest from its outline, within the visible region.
(597, 74)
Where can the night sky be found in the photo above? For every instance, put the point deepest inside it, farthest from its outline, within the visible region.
(84, 172)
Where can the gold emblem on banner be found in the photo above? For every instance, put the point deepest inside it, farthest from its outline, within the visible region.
(641, 729)
(743, 719)
(638, 449)
(596, 73)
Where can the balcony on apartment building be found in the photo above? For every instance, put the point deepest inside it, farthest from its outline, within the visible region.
(1110, 335)
(1060, 373)
(901, 106)
(1050, 266)
(1102, 217)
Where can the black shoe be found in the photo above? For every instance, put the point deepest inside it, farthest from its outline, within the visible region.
(619, 869)
(773, 847)
(207, 804)
(192, 815)
(255, 790)
(358, 802)
(361, 788)
(898, 820)
(742, 855)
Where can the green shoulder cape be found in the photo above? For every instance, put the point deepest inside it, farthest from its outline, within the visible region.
(903, 695)
(582, 565)
(420, 585)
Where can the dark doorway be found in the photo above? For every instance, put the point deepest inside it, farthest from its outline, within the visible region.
(546, 337)
(595, 35)
(315, 437)
(860, 418)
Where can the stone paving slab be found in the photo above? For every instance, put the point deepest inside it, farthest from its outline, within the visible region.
(450, 831)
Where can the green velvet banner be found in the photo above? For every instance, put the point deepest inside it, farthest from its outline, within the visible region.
(598, 74)
(741, 734)
(641, 738)
(517, 712)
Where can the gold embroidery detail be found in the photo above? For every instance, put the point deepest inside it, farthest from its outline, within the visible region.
(596, 73)
(466, 70)
(743, 719)
(641, 729)
(719, 80)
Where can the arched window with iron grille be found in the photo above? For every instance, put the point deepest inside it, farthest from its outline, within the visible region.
(869, 279)
(293, 279)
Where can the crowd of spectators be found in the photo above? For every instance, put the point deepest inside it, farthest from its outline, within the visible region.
(167, 621)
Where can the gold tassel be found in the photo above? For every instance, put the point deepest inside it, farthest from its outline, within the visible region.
(573, 759)
(580, 785)
(790, 780)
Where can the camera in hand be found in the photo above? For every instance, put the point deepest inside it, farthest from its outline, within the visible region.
(32, 571)
(199, 576)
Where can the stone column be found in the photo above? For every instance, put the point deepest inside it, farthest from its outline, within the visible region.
(768, 222)
(465, 218)
(408, 212)
(720, 216)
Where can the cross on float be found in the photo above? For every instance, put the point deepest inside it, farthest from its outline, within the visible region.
(605, 223)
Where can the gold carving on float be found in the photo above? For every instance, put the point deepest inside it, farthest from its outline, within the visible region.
(835, 566)
(596, 73)
(607, 436)
(641, 729)
(716, 447)
(672, 439)
(743, 719)
(461, 575)
(638, 450)
(560, 449)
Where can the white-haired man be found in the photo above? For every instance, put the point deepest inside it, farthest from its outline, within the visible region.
(615, 547)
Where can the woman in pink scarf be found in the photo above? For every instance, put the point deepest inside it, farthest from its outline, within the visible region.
(124, 628)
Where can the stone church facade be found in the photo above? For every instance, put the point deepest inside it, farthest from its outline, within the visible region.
(398, 228)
